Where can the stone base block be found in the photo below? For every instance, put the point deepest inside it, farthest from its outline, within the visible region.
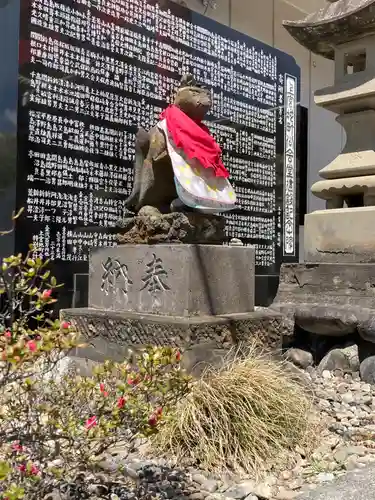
(345, 235)
(329, 299)
(175, 280)
(110, 335)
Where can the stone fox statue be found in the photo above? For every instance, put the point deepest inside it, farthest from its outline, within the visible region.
(154, 183)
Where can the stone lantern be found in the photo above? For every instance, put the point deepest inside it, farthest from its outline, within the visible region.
(332, 294)
(344, 31)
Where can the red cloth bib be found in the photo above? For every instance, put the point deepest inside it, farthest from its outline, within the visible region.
(194, 139)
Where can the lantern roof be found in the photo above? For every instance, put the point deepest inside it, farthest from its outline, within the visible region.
(338, 22)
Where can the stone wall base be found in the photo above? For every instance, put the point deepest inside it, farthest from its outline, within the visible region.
(204, 340)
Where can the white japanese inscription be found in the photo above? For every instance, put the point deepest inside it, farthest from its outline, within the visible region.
(98, 73)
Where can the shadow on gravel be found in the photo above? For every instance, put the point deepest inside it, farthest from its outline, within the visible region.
(149, 482)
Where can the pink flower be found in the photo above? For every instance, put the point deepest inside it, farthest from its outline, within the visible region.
(91, 422)
(8, 334)
(121, 402)
(46, 294)
(65, 325)
(17, 447)
(178, 356)
(153, 420)
(34, 471)
(133, 381)
(154, 417)
(32, 346)
(102, 390)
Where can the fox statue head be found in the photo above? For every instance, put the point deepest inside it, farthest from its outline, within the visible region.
(192, 98)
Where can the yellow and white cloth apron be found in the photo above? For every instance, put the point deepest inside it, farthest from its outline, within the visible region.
(198, 187)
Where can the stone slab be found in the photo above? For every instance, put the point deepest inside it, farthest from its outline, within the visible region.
(329, 299)
(110, 335)
(333, 284)
(176, 280)
(344, 235)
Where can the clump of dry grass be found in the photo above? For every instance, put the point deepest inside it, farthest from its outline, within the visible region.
(245, 417)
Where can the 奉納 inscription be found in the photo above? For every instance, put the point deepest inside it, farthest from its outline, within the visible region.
(155, 277)
(115, 277)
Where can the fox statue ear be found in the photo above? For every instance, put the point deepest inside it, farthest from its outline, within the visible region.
(188, 80)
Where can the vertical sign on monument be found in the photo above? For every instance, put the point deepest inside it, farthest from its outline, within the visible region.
(290, 181)
(92, 72)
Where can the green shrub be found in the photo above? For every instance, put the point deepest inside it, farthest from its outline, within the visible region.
(52, 427)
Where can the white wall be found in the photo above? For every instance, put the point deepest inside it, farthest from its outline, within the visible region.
(262, 19)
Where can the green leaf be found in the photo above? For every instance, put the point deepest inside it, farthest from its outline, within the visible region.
(31, 272)
(58, 473)
(5, 470)
(14, 492)
(53, 281)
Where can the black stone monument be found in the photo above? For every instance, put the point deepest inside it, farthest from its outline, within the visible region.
(89, 73)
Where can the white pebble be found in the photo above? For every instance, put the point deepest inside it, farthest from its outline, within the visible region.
(347, 397)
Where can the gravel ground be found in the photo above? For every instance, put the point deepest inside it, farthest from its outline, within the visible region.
(346, 444)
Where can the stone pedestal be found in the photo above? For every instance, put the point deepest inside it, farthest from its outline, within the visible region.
(196, 297)
(173, 280)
